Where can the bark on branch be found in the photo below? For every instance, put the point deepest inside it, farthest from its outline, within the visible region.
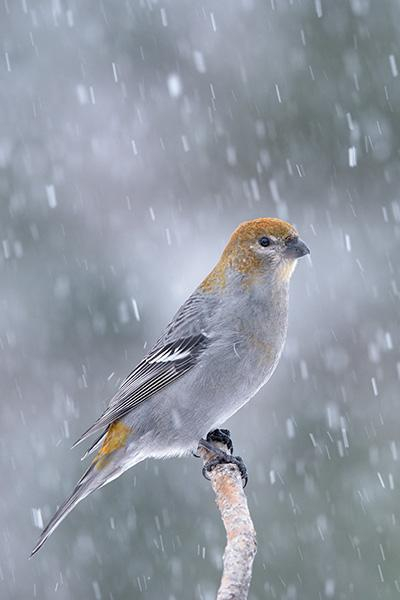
(241, 543)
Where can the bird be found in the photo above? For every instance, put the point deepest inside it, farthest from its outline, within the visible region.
(219, 349)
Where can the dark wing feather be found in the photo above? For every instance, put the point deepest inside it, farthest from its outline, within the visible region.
(162, 366)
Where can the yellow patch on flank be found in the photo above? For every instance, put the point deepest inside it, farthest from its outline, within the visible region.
(116, 438)
(239, 254)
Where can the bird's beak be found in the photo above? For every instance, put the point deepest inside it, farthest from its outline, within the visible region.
(296, 248)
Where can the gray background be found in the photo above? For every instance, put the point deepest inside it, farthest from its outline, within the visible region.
(134, 137)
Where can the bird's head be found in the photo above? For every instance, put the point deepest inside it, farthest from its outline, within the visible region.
(265, 247)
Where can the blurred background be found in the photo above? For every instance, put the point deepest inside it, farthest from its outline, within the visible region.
(134, 137)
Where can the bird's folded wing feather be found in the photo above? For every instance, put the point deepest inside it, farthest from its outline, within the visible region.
(175, 353)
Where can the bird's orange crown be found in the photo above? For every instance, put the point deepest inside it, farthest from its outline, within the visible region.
(238, 254)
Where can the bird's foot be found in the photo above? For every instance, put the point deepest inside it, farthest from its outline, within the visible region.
(220, 457)
(221, 436)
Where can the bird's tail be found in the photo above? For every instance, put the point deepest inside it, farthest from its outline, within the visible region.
(91, 481)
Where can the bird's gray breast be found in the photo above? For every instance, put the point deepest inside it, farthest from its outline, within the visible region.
(245, 351)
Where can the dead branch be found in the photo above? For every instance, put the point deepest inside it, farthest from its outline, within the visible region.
(241, 543)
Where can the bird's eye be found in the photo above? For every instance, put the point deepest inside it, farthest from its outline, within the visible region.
(264, 241)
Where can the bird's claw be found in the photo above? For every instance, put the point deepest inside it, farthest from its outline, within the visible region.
(223, 460)
(220, 457)
(221, 436)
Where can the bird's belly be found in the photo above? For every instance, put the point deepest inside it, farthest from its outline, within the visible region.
(248, 365)
(223, 383)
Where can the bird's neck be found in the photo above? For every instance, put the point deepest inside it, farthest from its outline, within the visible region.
(262, 304)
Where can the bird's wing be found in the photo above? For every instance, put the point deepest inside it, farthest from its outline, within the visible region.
(175, 353)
